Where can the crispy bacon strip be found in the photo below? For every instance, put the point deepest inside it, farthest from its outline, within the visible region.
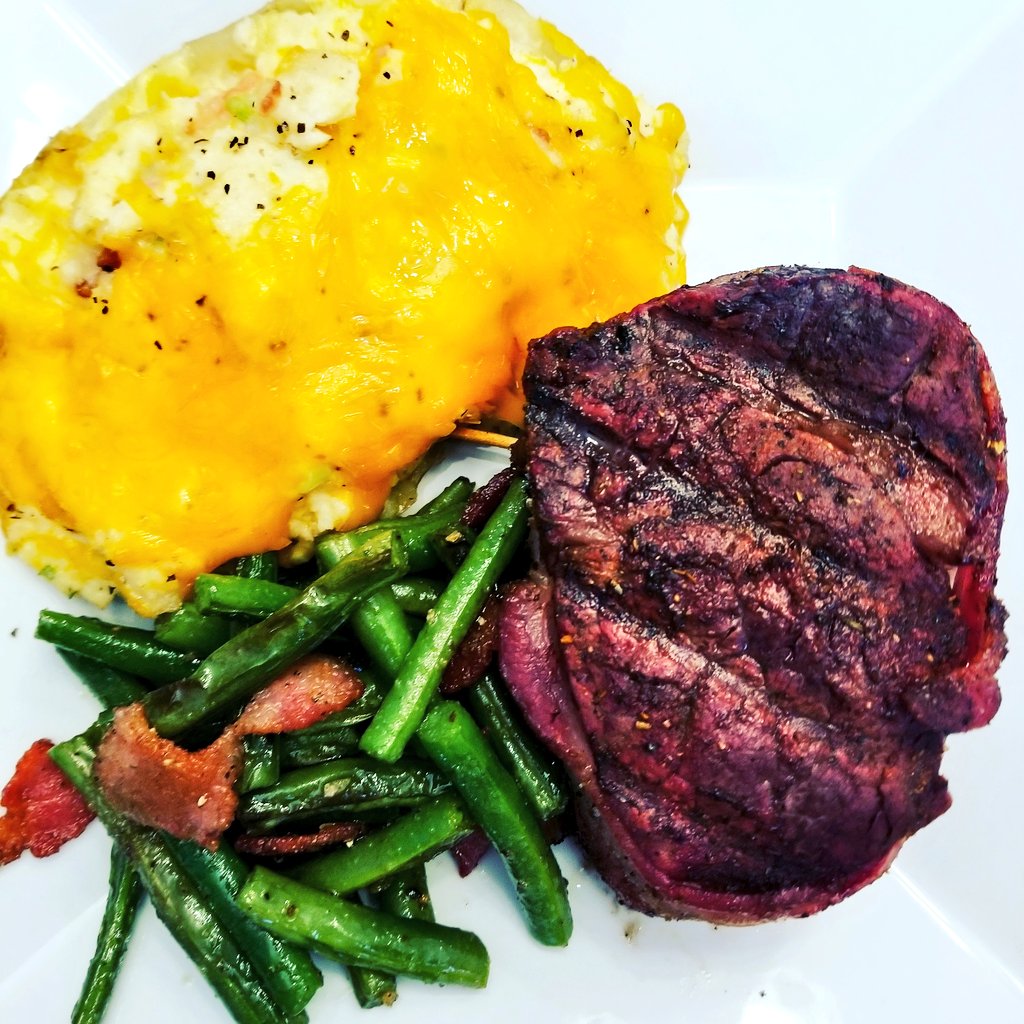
(311, 689)
(484, 500)
(44, 811)
(475, 653)
(189, 794)
(155, 782)
(332, 834)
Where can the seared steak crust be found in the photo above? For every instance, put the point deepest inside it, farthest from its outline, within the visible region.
(769, 511)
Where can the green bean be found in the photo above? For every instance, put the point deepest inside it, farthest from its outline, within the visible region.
(239, 595)
(406, 895)
(381, 627)
(372, 987)
(285, 970)
(417, 595)
(125, 890)
(405, 489)
(383, 630)
(539, 777)
(187, 629)
(354, 934)
(236, 595)
(257, 567)
(416, 533)
(334, 736)
(180, 904)
(254, 657)
(407, 842)
(317, 744)
(199, 631)
(110, 687)
(454, 495)
(350, 784)
(405, 704)
(261, 763)
(455, 742)
(360, 710)
(256, 598)
(450, 548)
(122, 647)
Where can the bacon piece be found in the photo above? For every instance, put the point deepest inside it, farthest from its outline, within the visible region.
(474, 654)
(469, 851)
(484, 500)
(331, 834)
(108, 260)
(313, 688)
(44, 811)
(191, 794)
(270, 99)
(155, 782)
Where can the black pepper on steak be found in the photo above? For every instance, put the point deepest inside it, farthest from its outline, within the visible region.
(768, 510)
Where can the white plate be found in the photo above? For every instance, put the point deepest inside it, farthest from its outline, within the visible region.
(881, 134)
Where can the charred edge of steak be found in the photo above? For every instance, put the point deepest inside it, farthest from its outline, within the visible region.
(752, 497)
(717, 906)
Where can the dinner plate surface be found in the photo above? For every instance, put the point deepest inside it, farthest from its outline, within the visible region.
(877, 134)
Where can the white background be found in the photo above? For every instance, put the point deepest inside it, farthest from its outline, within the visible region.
(881, 134)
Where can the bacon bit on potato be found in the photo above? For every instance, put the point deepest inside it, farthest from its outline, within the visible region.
(268, 102)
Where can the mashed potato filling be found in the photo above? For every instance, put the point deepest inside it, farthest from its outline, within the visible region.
(272, 269)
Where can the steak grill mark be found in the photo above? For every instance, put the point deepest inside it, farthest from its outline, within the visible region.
(768, 511)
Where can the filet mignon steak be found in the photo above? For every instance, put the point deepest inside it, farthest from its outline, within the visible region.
(768, 510)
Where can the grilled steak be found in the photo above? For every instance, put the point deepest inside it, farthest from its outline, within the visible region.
(768, 511)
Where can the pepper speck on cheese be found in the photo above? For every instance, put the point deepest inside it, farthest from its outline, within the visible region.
(267, 273)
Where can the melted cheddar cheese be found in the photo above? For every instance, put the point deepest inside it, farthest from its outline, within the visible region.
(266, 274)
